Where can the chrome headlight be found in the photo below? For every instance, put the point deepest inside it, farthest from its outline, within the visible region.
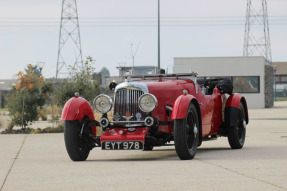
(102, 103)
(147, 102)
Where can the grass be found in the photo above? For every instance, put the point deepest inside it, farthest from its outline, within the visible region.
(281, 99)
(54, 111)
(58, 129)
(43, 115)
(1, 122)
(10, 126)
(2, 112)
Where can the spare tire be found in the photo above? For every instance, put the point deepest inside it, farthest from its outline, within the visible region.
(225, 86)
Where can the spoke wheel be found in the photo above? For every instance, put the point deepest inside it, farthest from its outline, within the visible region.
(76, 146)
(186, 134)
(237, 134)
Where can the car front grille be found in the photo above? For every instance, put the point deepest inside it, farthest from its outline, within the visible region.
(126, 105)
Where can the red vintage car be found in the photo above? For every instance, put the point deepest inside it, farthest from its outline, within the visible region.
(157, 110)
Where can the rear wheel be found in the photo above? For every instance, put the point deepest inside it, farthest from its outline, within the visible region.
(76, 146)
(236, 134)
(186, 134)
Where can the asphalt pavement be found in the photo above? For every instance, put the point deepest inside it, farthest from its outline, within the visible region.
(40, 162)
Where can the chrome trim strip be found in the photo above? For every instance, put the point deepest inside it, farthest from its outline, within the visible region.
(133, 85)
(126, 121)
(168, 108)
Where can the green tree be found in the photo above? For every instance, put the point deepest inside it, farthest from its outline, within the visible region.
(26, 96)
(82, 82)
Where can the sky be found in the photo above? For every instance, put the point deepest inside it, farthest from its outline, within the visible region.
(29, 32)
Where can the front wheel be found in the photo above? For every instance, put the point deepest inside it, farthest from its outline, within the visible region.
(186, 134)
(75, 145)
(236, 134)
(148, 148)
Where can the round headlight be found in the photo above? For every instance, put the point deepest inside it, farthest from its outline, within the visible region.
(102, 103)
(147, 102)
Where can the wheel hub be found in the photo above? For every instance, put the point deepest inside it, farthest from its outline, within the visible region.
(244, 124)
(195, 130)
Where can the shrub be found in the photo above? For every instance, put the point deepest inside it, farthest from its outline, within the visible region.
(1, 122)
(54, 111)
(28, 94)
(81, 82)
(9, 128)
(43, 115)
(58, 129)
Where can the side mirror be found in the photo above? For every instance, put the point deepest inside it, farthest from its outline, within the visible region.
(112, 85)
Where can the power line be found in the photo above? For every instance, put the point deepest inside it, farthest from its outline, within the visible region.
(140, 21)
(278, 23)
(118, 18)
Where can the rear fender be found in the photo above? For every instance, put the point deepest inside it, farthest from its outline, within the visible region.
(232, 109)
(76, 108)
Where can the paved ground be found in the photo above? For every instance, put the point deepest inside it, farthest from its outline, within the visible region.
(40, 162)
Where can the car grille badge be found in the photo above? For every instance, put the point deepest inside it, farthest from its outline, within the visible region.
(138, 116)
(117, 117)
(128, 116)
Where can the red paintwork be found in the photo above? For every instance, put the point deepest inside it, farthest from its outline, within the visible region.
(161, 89)
(76, 108)
(114, 135)
(234, 101)
(169, 92)
(210, 105)
(180, 106)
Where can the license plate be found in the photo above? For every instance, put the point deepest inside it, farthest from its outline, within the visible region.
(122, 145)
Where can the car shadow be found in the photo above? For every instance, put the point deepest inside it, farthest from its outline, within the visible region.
(203, 153)
(165, 154)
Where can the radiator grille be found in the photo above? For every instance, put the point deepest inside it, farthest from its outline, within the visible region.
(126, 100)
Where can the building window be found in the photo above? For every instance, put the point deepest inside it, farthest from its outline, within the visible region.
(242, 84)
(246, 84)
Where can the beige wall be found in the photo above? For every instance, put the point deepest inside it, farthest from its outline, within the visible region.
(227, 66)
(281, 68)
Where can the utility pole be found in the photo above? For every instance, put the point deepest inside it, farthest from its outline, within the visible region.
(257, 38)
(133, 54)
(69, 40)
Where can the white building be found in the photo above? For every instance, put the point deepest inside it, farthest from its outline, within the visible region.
(251, 76)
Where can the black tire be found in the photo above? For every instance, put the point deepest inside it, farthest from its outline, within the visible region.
(76, 147)
(186, 134)
(236, 134)
(148, 148)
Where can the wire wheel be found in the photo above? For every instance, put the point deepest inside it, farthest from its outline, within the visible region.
(76, 146)
(186, 134)
(237, 134)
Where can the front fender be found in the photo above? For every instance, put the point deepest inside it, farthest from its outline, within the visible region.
(232, 106)
(76, 108)
(180, 106)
